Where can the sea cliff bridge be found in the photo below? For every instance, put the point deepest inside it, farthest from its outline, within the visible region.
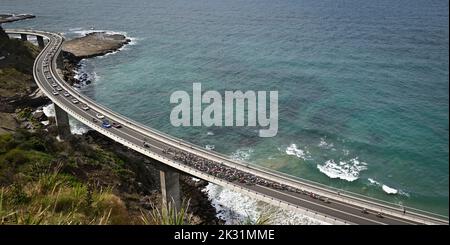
(302, 196)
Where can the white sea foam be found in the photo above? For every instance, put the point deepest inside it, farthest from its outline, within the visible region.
(387, 189)
(210, 147)
(49, 110)
(209, 133)
(374, 182)
(346, 170)
(236, 208)
(82, 32)
(76, 127)
(325, 145)
(242, 154)
(294, 151)
(83, 70)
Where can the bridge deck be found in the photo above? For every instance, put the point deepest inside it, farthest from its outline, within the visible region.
(340, 207)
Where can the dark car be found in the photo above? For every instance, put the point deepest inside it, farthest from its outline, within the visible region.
(116, 125)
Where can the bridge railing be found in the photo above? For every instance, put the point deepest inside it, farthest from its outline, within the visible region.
(211, 178)
(146, 130)
(176, 141)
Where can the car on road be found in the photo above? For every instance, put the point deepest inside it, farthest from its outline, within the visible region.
(94, 120)
(146, 145)
(116, 125)
(75, 101)
(106, 124)
(59, 88)
(55, 92)
(49, 77)
(99, 116)
(54, 85)
(85, 107)
(66, 94)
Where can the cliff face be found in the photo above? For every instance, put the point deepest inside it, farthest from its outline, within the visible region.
(3, 35)
(16, 72)
(17, 88)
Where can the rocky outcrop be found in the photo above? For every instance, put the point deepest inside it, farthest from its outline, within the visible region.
(5, 18)
(94, 44)
(7, 123)
(3, 35)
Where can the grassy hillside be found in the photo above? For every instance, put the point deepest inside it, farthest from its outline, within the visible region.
(43, 181)
(16, 64)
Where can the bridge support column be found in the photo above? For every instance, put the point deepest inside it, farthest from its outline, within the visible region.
(40, 41)
(23, 37)
(62, 122)
(170, 187)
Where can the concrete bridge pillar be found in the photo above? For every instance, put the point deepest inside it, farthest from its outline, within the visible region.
(40, 41)
(23, 37)
(170, 187)
(62, 122)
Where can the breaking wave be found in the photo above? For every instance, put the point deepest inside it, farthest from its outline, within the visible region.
(76, 127)
(242, 154)
(325, 145)
(387, 189)
(346, 170)
(236, 208)
(294, 151)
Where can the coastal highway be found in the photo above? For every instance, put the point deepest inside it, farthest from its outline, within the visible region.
(334, 206)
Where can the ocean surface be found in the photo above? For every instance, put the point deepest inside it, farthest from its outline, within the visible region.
(363, 85)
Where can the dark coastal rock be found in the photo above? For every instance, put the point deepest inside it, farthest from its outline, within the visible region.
(33, 100)
(40, 116)
(92, 45)
(147, 181)
(3, 35)
(6, 18)
(7, 123)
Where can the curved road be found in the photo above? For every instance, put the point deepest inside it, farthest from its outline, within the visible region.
(334, 206)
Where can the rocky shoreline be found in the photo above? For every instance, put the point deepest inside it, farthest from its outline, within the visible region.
(24, 111)
(147, 178)
(91, 45)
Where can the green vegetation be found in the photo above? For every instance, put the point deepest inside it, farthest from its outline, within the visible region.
(43, 181)
(168, 215)
(16, 66)
(51, 199)
(264, 218)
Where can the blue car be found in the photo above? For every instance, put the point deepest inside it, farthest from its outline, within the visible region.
(106, 124)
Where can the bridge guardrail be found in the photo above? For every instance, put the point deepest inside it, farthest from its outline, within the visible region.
(143, 129)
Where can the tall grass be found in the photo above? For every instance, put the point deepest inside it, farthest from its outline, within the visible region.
(168, 215)
(50, 200)
(263, 218)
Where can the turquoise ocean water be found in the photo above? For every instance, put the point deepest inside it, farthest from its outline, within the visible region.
(363, 85)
